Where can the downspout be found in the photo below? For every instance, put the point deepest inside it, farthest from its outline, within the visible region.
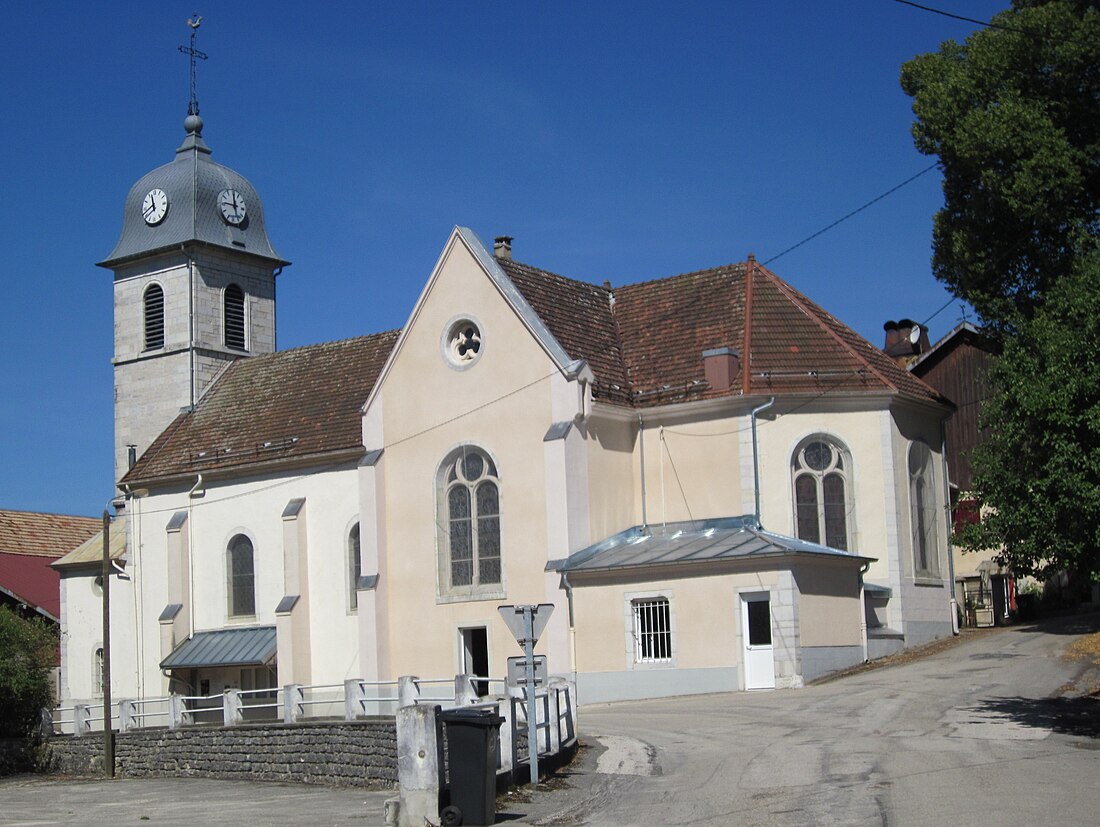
(565, 584)
(641, 462)
(132, 544)
(194, 492)
(863, 613)
(756, 458)
(947, 511)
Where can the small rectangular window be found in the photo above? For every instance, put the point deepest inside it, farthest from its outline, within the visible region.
(652, 630)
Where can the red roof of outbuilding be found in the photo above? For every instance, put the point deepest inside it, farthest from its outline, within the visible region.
(30, 580)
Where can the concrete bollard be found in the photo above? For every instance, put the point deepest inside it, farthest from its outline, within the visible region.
(419, 764)
(293, 706)
(355, 699)
(506, 709)
(177, 712)
(232, 714)
(464, 691)
(127, 715)
(408, 690)
(82, 720)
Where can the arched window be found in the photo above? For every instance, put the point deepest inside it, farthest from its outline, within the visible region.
(241, 577)
(922, 509)
(354, 564)
(234, 318)
(470, 523)
(822, 491)
(153, 301)
(97, 672)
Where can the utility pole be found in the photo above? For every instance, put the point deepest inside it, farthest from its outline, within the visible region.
(108, 733)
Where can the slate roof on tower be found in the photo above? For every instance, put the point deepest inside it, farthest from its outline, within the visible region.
(192, 183)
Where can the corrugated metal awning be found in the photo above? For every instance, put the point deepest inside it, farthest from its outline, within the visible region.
(254, 646)
(727, 538)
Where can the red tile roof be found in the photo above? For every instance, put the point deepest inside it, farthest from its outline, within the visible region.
(645, 341)
(48, 535)
(289, 405)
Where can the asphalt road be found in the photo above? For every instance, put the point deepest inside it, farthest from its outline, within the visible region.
(985, 732)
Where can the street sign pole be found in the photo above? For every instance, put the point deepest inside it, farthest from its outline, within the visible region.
(529, 690)
(526, 624)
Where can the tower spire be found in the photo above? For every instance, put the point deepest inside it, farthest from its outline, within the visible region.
(194, 22)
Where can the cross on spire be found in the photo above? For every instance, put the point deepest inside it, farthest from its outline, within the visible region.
(194, 23)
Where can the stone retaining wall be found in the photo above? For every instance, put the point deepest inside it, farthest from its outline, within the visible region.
(353, 753)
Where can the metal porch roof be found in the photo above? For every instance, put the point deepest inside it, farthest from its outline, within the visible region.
(254, 646)
(726, 538)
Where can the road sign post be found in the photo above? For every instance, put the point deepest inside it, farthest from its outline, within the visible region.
(526, 624)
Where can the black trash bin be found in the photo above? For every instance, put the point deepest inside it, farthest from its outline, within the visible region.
(472, 747)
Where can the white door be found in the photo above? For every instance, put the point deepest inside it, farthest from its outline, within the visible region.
(756, 633)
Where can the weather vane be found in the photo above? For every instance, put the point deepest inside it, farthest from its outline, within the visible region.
(194, 23)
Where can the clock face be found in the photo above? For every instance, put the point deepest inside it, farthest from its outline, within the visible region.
(154, 207)
(232, 206)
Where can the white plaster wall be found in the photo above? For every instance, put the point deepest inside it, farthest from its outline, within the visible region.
(82, 634)
(254, 506)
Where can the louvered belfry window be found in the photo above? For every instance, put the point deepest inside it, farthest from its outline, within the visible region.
(234, 318)
(154, 317)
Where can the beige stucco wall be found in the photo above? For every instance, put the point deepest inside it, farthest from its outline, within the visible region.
(828, 605)
(704, 611)
(502, 404)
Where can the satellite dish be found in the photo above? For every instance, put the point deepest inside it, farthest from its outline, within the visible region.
(914, 334)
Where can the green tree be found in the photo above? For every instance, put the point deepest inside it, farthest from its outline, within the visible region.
(27, 652)
(1039, 469)
(1014, 116)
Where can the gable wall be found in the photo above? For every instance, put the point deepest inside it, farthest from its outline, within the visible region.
(508, 391)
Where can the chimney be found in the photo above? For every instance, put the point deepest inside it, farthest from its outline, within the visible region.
(905, 340)
(502, 247)
(720, 366)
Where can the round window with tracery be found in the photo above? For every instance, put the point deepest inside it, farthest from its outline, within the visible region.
(462, 343)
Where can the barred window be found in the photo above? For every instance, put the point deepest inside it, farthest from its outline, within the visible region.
(354, 565)
(153, 301)
(241, 577)
(234, 318)
(652, 630)
(822, 490)
(470, 522)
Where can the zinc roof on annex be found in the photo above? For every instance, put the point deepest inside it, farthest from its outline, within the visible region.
(693, 541)
(254, 646)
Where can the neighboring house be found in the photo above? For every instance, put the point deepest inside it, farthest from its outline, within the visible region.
(956, 366)
(716, 483)
(30, 542)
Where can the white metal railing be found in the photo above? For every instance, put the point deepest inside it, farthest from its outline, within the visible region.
(355, 698)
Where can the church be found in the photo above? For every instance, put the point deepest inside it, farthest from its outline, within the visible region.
(716, 483)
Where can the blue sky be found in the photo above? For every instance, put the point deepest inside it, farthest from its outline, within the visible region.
(620, 141)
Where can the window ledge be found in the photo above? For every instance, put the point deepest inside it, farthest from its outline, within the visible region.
(646, 665)
(471, 597)
(928, 582)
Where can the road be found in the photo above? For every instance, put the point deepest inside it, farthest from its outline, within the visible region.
(979, 733)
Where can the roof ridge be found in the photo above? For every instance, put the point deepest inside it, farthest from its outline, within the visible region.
(315, 345)
(46, 513)
(802, 301)
(704, 271)
(552, 274)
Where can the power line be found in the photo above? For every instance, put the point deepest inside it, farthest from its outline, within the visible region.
(856, 211)
(989, 24)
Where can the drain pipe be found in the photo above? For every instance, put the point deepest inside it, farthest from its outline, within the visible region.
(947, 511)
(641, 461)
(863, 613)
(756, 458)
(565, 584)
(196, 491)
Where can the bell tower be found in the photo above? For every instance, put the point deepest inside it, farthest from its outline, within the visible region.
(194, 285)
